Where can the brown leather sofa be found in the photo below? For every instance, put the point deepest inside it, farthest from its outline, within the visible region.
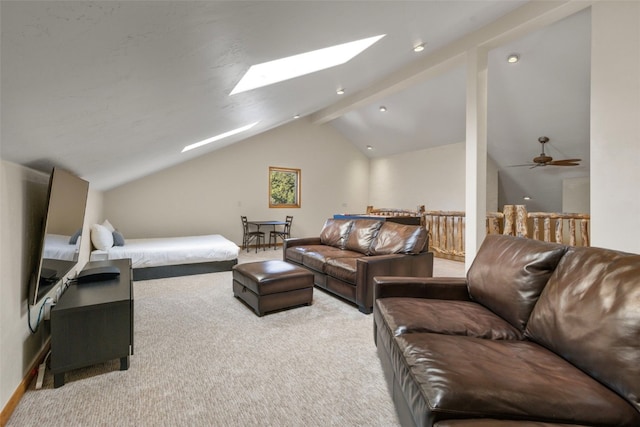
(536, 334)
(348, 254)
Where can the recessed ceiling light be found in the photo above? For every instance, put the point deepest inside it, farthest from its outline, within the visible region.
(513, 58)
(383, 108)
(218, 137)
(527, 198)
(369, 147)
(278, 70)
(297, 116)
(418, 47)
(340, 91)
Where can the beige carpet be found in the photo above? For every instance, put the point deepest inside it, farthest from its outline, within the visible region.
(204, 358)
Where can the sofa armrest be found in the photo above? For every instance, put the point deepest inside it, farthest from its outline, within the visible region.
(371, 266)
(447, 288)
(300, 241)
(387, 265)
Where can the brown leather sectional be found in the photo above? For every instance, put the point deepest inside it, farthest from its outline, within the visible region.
(536, 334)
(348, 254)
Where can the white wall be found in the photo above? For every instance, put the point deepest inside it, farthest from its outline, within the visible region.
(575, 195)
(615, 125)
(492, 186)
(22, 199)
(22, 205)
(208, 194)
(408, 180)
(434, 177)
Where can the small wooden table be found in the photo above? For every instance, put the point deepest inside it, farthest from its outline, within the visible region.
(259, 224)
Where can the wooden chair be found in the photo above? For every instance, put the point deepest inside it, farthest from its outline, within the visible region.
(283, 234)
(248, 235)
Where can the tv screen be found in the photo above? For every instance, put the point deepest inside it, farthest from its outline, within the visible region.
(59, 245)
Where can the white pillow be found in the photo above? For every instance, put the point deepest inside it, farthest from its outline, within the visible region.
(106, 224)
(101, 237)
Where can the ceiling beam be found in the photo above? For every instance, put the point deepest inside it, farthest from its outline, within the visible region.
(530, 17)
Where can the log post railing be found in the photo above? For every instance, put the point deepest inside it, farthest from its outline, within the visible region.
(446, 233)
(447, 228)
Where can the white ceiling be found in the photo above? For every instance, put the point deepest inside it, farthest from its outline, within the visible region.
(114, 90)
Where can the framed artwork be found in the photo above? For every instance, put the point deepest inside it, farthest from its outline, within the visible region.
(284, 187)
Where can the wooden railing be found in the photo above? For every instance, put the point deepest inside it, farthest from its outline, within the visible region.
(518, 222)
(446, 233)
(447, 229)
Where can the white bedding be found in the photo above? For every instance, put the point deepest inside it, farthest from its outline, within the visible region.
(171, 251)
(56, 246)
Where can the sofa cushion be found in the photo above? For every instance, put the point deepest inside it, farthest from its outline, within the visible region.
(589, 313)
(509, 273)
(361, 235)
(317, 259)
(295, 253)
(470, 377)
(335, 232)
(344, 269)
(415, 315)
(394, 238)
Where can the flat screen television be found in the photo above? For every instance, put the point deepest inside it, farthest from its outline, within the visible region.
(59, 245)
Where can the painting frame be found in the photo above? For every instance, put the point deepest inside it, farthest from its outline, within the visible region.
(284, 187)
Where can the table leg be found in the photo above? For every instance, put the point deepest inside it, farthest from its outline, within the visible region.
(124, 363)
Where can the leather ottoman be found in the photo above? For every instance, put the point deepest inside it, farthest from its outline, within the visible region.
(272, 285)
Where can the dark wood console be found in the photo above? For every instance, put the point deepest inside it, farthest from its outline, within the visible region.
(406, 220)
(93, 323)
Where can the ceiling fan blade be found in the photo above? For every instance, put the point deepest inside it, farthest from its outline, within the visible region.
(568, 160)
(524, 164)
(565, 162)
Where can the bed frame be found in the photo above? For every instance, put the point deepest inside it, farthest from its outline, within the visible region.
(164, 271)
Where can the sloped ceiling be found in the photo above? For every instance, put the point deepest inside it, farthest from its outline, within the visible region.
(114, 90)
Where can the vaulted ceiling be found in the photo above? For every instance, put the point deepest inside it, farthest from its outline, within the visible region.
(114, 90)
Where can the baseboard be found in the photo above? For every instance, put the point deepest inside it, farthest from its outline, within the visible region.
(13, 402)
(266, 245)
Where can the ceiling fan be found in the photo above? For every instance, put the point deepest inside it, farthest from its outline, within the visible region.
(545, 160)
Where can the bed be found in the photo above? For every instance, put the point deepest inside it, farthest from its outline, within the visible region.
(174, 256)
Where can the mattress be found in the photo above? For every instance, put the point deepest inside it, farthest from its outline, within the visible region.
(171, 251)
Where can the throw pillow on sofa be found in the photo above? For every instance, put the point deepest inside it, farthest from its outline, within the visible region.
(394, 238)
(362, 234)
(508, 275)
(335, 232)
(592, 318)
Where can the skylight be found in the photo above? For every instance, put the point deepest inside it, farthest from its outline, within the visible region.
(218, 137)
(290, 67)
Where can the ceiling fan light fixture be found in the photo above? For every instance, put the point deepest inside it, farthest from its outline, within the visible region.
(513, 58)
